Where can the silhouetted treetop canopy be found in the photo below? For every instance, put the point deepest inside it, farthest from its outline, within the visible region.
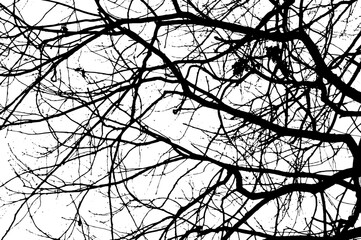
(180, 119)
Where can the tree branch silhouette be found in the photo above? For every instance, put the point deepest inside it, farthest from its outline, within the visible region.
(181, 119)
